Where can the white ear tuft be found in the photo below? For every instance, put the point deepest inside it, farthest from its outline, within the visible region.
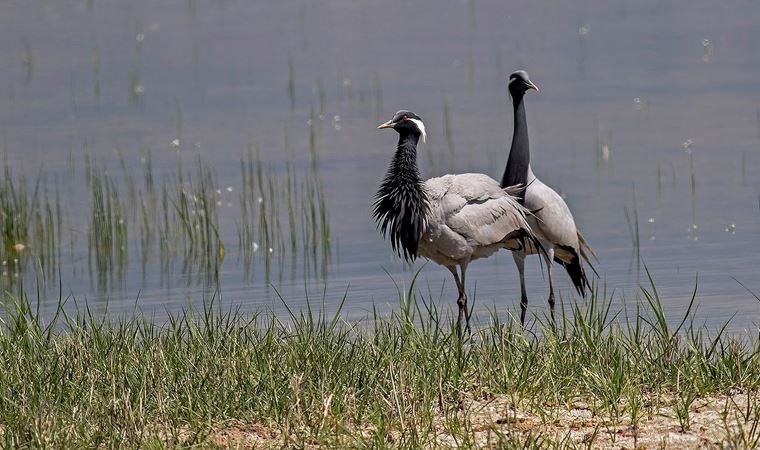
(421, 127)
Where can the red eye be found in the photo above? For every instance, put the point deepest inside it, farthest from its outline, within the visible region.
(405, 118)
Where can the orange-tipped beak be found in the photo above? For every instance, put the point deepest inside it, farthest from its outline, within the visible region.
(388, 124)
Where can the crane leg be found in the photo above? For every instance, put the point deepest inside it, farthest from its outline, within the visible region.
(464, 295)
(549, 260)
(461, 301)
(520, 263)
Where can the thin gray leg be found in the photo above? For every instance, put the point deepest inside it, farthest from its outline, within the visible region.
(461, 301)
(463, 294)
(549, 260)
(520, 263)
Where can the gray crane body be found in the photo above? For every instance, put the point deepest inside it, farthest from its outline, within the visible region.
(470, 217)
(551, 221)
(451, 220)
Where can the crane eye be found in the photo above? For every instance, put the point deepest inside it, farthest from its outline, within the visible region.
(405, 117)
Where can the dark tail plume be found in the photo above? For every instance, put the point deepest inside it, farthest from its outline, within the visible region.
(587, 252)
(577, 274)
(574, 266)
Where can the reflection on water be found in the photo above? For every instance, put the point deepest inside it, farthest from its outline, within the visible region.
(179, 149)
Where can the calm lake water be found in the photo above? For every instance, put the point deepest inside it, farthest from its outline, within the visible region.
(648, 110)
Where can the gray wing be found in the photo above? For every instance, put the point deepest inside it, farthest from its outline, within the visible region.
(476, 207)
(554, 221)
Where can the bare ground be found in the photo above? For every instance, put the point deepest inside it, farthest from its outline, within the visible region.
(713, 422)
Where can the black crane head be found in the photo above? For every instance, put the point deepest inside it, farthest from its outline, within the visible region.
(519, 83)
(406, 122)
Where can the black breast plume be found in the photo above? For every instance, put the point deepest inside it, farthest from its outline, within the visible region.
(401, 205)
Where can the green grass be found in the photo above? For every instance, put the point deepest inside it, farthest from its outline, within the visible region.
(73, 379)
(183, 219)
(30, 226)
(283, 217)
(108, 236)
(192, 222)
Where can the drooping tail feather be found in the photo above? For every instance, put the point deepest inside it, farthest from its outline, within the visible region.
(577, 274)
(587, 251)
(574, 266)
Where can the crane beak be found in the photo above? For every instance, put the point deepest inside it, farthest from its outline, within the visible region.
(532, 86)
(388, 124)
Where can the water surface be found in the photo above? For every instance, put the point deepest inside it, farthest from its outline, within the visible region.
(646, 107)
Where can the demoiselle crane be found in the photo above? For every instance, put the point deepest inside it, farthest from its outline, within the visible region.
(451, 220)
(551, 219)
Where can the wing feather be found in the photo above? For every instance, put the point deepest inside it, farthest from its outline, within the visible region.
(476, 207)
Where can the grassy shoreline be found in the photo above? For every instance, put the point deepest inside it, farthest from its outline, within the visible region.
(217, 377)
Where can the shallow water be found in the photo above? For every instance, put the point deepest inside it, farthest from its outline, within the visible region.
(629, 92)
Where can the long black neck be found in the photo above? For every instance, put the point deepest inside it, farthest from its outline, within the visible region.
(401, 205)
(519, 155)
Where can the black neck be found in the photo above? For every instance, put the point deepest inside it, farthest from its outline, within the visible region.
(408, 141)
(519, 155)
(401, 204)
